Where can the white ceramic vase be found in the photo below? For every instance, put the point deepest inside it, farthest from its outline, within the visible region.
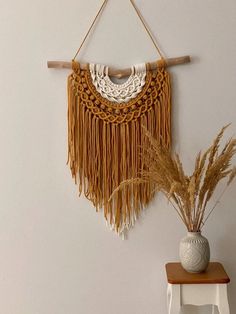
(194, 252)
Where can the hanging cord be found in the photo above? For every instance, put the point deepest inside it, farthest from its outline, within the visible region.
(95, 19)
(146, 28)
(141, 19)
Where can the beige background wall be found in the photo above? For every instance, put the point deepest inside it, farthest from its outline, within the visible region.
(56, 254)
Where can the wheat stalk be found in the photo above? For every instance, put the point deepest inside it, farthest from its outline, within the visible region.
(188, 194)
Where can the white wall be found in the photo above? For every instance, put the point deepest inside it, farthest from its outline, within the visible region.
(56, 254)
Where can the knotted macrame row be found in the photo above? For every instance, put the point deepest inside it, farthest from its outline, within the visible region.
(105, 140)
(118, 92)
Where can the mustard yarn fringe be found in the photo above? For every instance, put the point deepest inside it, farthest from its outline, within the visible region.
(105, 140)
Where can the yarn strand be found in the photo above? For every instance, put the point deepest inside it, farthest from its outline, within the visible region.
(105, 140)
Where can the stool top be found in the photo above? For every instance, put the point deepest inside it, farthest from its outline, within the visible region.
(215, 273)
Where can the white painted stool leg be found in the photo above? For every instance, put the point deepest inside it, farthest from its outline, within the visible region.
(213, 309)
(222, 299)
(168, 296)
(173, 296)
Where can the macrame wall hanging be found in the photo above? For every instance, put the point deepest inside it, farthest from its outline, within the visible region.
(105, 133)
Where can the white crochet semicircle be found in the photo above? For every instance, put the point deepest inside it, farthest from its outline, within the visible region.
(119, 93)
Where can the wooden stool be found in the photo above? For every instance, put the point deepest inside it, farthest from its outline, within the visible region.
(209, 287)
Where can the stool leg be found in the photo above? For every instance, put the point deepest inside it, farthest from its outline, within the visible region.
(173, 297)
(168, 296)
(222, 299)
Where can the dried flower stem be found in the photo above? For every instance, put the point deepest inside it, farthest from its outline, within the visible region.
(216, 203)
(189, 195)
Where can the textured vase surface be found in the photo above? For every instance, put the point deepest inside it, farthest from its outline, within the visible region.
(194, 252)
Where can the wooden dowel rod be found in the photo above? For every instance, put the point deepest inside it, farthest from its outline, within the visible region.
(115, 72)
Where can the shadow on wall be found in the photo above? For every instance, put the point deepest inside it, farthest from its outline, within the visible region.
(176, 103)
(226, 247)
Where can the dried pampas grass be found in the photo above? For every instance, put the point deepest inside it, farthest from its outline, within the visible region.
(189, 195)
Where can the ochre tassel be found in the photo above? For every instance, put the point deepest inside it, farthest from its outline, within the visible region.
(105, 141)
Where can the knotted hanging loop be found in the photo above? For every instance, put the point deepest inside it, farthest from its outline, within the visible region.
(139, 16)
